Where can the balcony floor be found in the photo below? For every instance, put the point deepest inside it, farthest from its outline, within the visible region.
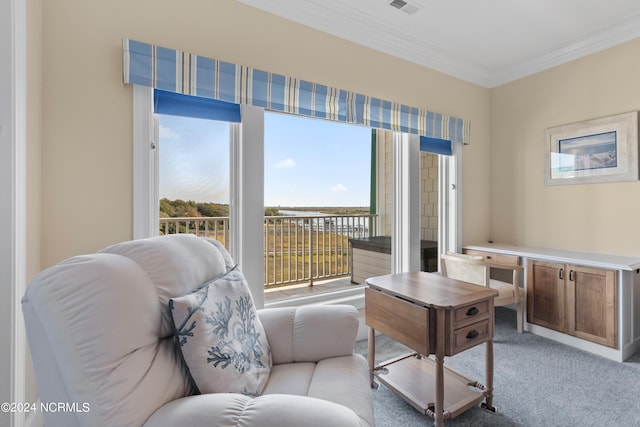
(303, 289)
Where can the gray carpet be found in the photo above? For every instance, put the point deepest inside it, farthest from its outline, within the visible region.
(537, 382)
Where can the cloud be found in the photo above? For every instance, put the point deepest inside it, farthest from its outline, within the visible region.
(167, 133)
(286, 164)
(338, 188)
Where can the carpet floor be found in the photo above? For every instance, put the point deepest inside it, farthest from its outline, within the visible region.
(537, 382)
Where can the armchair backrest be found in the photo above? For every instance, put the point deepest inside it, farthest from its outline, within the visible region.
(100, 330)
(467, 268)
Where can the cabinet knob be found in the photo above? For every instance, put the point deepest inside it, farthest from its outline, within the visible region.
(561, 274)
(472, 311)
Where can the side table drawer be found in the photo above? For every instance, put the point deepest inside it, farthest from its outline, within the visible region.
(467, 337)
(470, 313)
(398, 319)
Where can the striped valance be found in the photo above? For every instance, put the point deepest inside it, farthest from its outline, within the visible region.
(175, 71)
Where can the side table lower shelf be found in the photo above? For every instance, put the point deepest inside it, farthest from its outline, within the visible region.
(412, 375)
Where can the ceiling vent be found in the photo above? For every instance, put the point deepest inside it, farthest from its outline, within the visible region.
(404, 6)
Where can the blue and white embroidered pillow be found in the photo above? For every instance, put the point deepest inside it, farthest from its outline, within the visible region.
(221, 338)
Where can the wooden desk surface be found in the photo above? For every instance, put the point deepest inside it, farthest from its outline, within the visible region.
(431, 290)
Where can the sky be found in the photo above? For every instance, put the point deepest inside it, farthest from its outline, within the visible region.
(308, 162)
(201, 172)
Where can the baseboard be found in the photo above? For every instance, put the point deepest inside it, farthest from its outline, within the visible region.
(600, 350)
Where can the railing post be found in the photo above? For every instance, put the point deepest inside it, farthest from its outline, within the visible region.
(310, 256)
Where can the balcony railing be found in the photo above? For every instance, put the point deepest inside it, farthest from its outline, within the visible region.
(297, 249)
(214, 227)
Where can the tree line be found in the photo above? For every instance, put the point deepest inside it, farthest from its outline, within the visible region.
(190, 209)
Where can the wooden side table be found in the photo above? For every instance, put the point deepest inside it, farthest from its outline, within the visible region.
(435, 315)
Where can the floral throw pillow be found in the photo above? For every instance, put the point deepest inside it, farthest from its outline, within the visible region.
(223, 343)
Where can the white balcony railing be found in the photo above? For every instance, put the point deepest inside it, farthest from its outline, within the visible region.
(214, 227)
(297, 249)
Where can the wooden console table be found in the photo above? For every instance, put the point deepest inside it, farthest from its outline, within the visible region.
(436, 315)
(586, 300)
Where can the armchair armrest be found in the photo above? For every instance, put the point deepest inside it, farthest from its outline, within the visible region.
(310, 333)
(273, 410)
(515, 272)
(503, 266)
(518, 292)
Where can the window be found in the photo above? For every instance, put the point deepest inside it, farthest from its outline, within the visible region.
(193, 176)
(245, 178)
(317, 187)
(246, 188)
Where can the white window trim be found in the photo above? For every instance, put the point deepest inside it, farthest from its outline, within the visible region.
(405, 239)
(450, 202)
(13, 193)
(247, 198)
(247, 194)
(145, 164)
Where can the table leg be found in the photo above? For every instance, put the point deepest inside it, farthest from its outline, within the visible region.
(372, 355)
(489, 376)
(488, 401)
(439, 391)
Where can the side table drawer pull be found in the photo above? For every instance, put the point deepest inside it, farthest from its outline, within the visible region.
(472, 334)
(472, 311)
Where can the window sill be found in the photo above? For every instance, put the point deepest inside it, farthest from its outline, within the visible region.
(352, 296)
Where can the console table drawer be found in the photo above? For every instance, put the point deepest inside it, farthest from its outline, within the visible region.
(398, 319)
(467, 337)
(494, 257)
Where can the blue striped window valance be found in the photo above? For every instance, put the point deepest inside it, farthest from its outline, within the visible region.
(189, 74)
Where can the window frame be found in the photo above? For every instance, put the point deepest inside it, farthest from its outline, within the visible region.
(13, 213)
(145, 164)
(247, 192)
(246, 204)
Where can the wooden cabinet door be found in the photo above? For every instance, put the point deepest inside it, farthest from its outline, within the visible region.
(592, 305)
(546, 294)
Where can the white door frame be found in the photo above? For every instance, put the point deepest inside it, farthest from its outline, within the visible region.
(13, 193)
(405, 216)
(450, 202)
(406, 172)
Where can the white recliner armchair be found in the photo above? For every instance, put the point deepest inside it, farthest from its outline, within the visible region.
(101, 337)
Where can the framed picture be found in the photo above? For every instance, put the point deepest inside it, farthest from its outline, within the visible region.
(598, 150)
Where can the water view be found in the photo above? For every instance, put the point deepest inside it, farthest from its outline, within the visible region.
(308, 165)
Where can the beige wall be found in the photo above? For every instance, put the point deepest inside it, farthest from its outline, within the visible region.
(34, 157)
(591, 217)
(87, 115)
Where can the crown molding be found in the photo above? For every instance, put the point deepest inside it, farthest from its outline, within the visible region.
(624, 31)
(343, 21)
(340, 19)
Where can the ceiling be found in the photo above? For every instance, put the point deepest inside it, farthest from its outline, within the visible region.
(488, 42)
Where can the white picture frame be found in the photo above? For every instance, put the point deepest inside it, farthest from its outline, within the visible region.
(593, 151)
